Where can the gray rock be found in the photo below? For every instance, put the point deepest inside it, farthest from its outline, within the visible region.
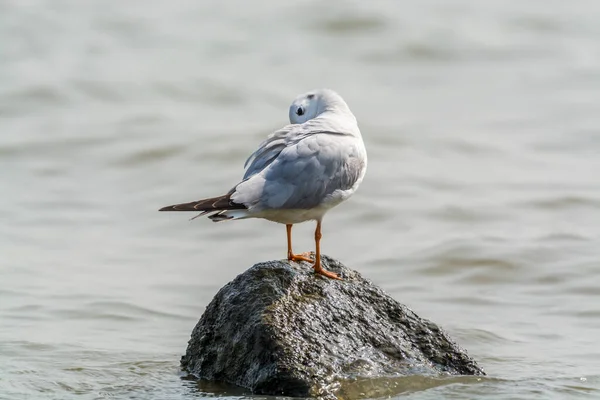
(279, 329)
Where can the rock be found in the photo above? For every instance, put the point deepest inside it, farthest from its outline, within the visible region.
(279, 329)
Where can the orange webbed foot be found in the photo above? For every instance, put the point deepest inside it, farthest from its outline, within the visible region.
(328, 274)
(322, 271)
(300, 257)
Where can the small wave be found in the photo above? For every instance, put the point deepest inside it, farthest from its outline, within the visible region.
(206, 91)
(412, 51)
(464, 215)
(563, 237)
(480, 336)
(32, 98)
(365, 388)
(351, 24)
(151, 155)
(537, 24)
(56, 147)
(116, 311)
(98, 90)
(564, 203)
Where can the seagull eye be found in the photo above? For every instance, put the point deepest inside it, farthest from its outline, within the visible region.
(300, 111)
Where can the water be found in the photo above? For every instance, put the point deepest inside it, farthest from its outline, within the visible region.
(480, 209)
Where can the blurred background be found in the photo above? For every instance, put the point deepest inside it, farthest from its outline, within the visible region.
(480, 209)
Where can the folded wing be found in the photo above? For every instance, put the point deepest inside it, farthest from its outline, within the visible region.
(305, 174)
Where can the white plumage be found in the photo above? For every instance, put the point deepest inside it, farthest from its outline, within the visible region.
(299, 172)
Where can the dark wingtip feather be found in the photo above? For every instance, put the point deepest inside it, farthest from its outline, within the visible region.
(219, 203)
(180, 207)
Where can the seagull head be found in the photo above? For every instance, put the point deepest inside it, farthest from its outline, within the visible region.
(314, 103)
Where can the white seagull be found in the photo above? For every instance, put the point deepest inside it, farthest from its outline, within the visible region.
(298, 173)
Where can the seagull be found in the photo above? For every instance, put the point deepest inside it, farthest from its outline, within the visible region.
(298, 173)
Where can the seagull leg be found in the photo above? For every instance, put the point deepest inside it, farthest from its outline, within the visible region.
(317, 266)
(291, 256)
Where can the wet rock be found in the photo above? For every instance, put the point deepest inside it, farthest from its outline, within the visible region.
(279, 329)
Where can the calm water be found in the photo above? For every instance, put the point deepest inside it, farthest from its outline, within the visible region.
(480, 209)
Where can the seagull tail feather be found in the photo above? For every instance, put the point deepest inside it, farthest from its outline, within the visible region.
(218, 205)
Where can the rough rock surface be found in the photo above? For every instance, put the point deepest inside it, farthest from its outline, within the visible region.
(279, 329)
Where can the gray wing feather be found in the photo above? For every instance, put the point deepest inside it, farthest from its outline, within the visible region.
(270, 149)
(301, 173)
(288, 136)
(267, 151)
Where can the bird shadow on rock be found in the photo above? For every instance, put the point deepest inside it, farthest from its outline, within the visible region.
(279, 329)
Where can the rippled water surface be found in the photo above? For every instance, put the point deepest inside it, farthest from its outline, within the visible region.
(480, 209)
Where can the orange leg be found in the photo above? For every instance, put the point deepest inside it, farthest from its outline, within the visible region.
(317, 266)
(291, 256)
